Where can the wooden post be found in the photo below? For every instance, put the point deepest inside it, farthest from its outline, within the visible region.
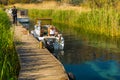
(41, 45)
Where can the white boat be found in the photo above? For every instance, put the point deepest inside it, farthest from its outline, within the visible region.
(23, 20)
(40, 32)
(23, 16)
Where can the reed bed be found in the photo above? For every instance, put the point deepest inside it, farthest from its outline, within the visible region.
(102, 22)
(9, 63)
(101, 27)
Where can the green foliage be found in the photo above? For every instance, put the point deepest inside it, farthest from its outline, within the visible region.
(6, 2)
(12, 1)
(59, 0)
(76, 2)
(91, 3)
(9, 63)
(24, 1)
(102, 3)
(101, 22)
(3, 2)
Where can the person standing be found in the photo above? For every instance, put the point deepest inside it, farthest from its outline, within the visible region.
(14, 14)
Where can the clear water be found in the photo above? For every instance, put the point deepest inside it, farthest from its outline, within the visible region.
(89, 56)
(95, 70)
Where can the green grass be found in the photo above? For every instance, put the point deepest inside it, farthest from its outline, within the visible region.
(9, 63)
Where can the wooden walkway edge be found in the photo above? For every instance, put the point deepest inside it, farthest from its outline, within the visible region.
(36, 64)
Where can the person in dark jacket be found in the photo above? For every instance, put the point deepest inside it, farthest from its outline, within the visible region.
(14, 14)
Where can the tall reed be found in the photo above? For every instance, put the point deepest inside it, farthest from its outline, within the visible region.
(103, 21)
(9, 63)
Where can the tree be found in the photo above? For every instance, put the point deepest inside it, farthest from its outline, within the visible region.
(76, 2)
(11, 1)
(5, 2)
(102, 3)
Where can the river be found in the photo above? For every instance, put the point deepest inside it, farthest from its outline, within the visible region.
(89, 56)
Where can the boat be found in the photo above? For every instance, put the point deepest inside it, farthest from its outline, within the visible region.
(23, 16)
(41, 33)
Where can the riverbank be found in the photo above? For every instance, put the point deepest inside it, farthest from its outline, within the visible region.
(9, 63)
(98, 21)
(36, 63)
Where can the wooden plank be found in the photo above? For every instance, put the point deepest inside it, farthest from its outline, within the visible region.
(36, 64)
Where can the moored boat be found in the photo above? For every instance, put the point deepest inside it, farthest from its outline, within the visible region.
(48, 34)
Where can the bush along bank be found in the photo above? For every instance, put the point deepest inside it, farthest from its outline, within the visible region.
(9, 63)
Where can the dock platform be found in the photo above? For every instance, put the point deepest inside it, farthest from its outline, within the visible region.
(36, 63)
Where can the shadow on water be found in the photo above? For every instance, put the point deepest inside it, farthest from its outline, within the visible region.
(26, 25)
(90, 56)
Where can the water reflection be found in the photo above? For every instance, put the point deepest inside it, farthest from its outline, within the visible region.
(95, 70)
(90, 56)
(26, 25)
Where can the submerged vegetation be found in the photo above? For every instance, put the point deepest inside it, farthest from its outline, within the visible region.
(9, 63)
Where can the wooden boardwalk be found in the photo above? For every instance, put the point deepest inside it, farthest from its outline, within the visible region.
(36, 64)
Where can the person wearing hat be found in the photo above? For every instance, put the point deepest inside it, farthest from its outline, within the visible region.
(51, 31)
